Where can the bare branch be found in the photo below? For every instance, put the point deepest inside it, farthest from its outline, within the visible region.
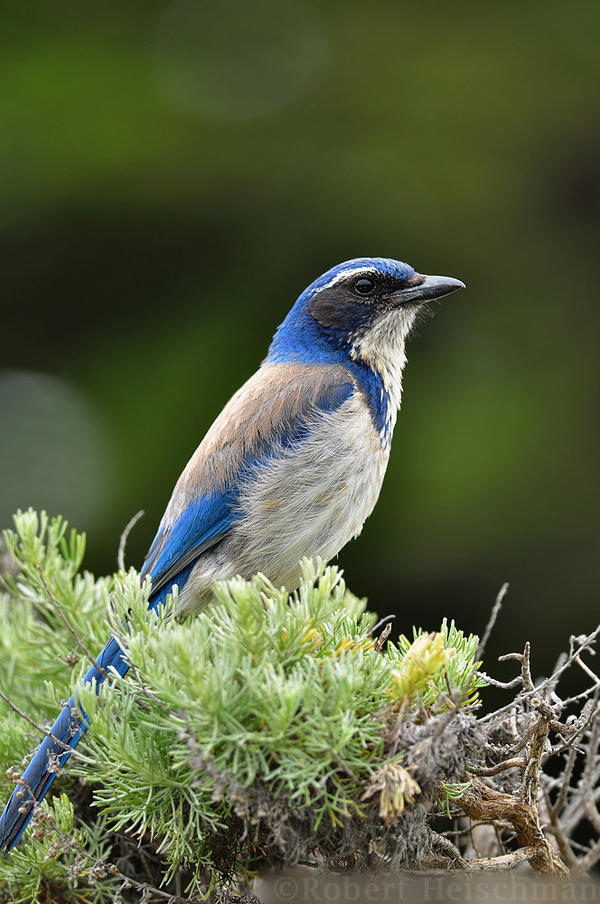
(514, 763)
(68, 625)
(577, 646)
(491, 621)
(377, 626)
(383, 637)
(33, 724)
(124, 537)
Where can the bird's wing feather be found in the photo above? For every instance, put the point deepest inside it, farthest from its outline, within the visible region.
(269, 413)
(200, 526)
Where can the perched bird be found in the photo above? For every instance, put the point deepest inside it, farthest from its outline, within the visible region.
(291, 467)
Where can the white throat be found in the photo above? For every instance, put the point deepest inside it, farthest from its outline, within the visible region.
(382, 347)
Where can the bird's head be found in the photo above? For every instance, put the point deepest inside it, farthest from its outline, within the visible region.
(361, 309)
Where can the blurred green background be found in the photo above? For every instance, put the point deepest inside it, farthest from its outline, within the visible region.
(175, 173)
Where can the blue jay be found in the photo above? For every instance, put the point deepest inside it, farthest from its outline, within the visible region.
(291, 467)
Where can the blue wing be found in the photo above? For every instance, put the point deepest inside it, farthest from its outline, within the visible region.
(271, 412)
(200, 526)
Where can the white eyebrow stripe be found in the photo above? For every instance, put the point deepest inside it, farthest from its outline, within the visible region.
(370, 271)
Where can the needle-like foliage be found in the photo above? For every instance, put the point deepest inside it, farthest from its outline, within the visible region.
(264, 727)
(271, 728)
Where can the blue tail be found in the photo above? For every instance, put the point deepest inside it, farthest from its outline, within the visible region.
(53, 752)
(63, 737)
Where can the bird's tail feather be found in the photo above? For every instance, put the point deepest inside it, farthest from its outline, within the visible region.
(54, 751)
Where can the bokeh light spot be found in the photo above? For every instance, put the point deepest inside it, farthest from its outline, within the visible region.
(53, 451)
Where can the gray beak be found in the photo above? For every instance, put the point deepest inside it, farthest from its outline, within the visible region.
(421, 288)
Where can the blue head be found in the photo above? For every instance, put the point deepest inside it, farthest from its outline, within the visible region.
(361, 309)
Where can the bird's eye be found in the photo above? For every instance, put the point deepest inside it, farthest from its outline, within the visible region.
(364, 286)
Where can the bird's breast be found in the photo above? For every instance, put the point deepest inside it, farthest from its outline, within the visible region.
(313, 497)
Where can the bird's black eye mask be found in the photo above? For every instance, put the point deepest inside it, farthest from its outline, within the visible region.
(354, 303)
